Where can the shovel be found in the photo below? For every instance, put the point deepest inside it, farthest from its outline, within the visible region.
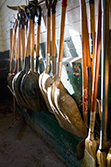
(12, 53)
(63, 105)
(17, 79)
(29, 84)
(44, 76)
(50, 79)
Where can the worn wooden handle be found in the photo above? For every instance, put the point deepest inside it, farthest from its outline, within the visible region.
(96, 72)
(32, 45)
(48, 34)
(86, 60)
(53, 44)
(32, 39)
(62, 33)
(92, 27)
(19, 42)
(23, 43)
(13, 48)
(14, 43)
(53, 36)
(96, 62)
(11, 40)
(28, 38)
(17, 55)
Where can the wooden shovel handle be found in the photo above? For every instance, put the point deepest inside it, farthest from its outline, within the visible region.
(14, 41)
(48, 5)
(32, 43)
(19, 42)
(31, 19)
(64, 5)
(28, 39)
(86, 38)
(53, 45)
(86, 60)
(95, 75)
(48, 34)
(92, 26)
(53, 36)
(32, 38)
(23, 43)
(11, 40)
(13, 47)
(17, 54)
(96, 62)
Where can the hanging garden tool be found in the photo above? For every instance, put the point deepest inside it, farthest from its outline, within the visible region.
(20, 36)
(91, 144)
(12, 54)
(101, 153)
(63, 105)
(29, 85)
(17, 79)
(44, 76)
(51, 78)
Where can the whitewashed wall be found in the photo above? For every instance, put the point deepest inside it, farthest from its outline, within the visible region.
(72, 25)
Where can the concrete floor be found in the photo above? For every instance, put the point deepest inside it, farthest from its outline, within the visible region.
(20, 146)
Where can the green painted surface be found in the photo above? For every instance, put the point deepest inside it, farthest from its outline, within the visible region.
(63, 142)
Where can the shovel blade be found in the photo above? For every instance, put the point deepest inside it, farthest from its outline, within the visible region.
(88, 160)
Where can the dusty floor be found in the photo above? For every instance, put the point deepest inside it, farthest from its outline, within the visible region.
(20, 146)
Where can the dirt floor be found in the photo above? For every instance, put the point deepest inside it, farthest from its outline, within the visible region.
(20, 146)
